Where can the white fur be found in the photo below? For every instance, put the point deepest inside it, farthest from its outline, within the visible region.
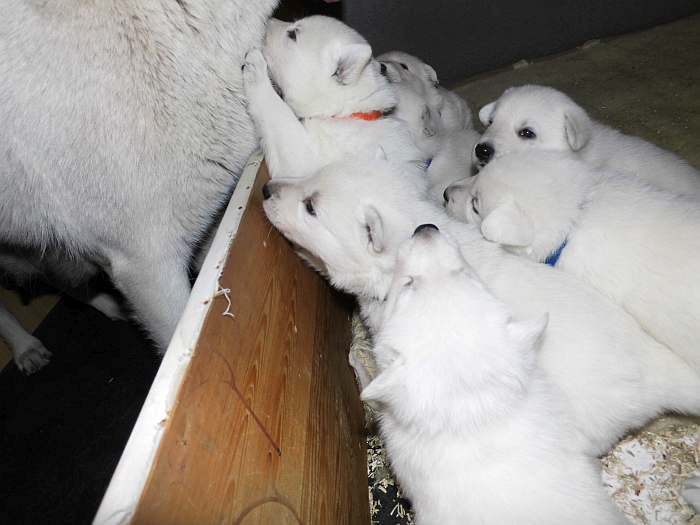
(474, 429)
(447, 151)
(326, 73)
(615, 376)
(123, 131)
(637, 244)
(452, 110)
(562, 125)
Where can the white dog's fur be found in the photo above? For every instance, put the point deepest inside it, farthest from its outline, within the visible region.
(637, 244)
(474, 429)
(615, 375)
(123, 131)
(22, 268)
(447, 153)
(560, 124)
(326, 74)
(452, 110)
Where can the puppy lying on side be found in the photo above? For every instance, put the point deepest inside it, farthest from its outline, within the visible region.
(453, 111)
(447, 154)
(637, 244)
(542, 118)
(350, 219)
(474, 429)
(335, 98)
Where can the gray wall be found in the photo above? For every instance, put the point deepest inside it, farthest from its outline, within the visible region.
(460, 39)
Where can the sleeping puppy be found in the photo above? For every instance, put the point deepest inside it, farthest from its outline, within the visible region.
(453, 110)
(537, 117)
(336, 100)
(635, 243)
(350, 218)
(474, 429)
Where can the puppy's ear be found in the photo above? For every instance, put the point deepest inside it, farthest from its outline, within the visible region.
(578, 127)
(349, 61)
(528, 333)
(431, 74)
(508, 224)
(486, 113)
(374, 227)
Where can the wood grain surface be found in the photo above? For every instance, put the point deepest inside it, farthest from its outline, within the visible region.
(268, 426)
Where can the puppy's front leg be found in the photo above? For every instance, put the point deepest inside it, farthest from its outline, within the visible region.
(288, 150)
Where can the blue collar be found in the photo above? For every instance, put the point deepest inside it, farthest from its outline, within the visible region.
(428, 163)
(553, 257)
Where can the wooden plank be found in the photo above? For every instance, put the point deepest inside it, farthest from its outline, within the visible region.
(268, 427)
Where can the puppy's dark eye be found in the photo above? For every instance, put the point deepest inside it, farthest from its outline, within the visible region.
(292, 34)
(475, 204)
(403, 66)
(527, 133)
(309, 205)
(382, 69)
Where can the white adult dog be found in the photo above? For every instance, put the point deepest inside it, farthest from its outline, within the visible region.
(350, 218)
(542, 118)
(123, 132)
(474, 429)
(637, 244)
(336, 100)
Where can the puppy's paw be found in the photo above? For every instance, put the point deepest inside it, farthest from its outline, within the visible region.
(255, 70)
(32, 357)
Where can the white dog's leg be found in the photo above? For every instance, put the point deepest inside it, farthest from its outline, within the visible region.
(288, 150)
(28, 352)
(157, 288)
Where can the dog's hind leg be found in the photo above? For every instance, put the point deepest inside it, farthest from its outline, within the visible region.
(288, 150)
(28, 352)
(157, 287)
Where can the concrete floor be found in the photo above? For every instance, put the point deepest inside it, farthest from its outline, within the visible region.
(646, 84)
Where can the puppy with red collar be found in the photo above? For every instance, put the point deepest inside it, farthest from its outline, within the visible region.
(330, 100)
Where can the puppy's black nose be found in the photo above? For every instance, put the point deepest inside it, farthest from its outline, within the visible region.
(484, 151)
(266, 192)
(424, 227)
(446, 194)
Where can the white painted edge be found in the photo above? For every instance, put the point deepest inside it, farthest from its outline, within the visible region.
(129, 478)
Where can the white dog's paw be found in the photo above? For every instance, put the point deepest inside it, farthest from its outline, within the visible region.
(255, 69)
(32, 357)
(109, 306)
(691, 492)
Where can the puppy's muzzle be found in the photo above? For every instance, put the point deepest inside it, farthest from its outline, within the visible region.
(269, 190)
(426, 229)
(484, 152)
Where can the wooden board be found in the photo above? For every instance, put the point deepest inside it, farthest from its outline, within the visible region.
(268, 427)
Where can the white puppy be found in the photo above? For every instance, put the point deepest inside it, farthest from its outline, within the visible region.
(453, 110)
(335, 98)
(351, 217)
(474, 429)
(542, 118)
(447, 154)
(637, 244)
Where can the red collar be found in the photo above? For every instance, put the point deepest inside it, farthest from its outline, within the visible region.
(361, 115)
